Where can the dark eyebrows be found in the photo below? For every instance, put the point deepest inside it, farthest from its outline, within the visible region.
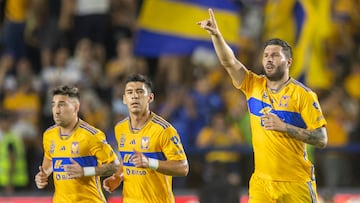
(137, 89)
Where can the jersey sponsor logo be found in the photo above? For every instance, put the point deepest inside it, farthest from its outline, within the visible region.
(61, 176)
(75, 148)
(126, 158)
(58, 164)
(145, 141)
(140, 172)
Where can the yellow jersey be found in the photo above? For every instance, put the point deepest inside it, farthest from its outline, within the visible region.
(277, 155)
(158, 139)
(87, 146)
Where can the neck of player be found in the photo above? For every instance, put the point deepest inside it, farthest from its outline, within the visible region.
(275, 86)
(70, 128)
(138, 121)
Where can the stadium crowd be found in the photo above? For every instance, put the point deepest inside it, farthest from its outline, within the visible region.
(89, 43)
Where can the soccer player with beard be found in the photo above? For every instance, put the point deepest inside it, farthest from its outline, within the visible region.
(285, 116)
(75, 152)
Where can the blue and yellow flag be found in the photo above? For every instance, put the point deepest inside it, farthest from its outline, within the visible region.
(310, 52)
(168, 27)
(305, 25)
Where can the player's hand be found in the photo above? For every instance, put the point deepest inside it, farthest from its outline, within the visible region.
(210, 24)
(112, 182)
(139, 160)
(41, 178)
(74, 170)
(273, 122)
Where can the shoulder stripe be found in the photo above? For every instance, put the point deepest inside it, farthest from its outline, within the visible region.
(51, 127)
(157, 119)
(301, 85)
(123, 120)
(89, 128)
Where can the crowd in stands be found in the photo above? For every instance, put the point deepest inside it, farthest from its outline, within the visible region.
(89, 43)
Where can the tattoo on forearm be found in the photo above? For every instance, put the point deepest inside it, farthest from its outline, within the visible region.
(315, 137)
(107, 169)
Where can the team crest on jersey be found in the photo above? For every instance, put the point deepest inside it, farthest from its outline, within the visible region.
(284, 101)
(75, 148)
(122, 140)
(145, 143)
(52, 147)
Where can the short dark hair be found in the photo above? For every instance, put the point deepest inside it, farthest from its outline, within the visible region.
(286, 48)
(72, 92)
(140, 78)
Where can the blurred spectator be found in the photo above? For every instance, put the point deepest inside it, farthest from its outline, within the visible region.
(238, 116)
(13, 170)
(123, 17)
(179, 109)
(6, 63)
(54, 28)
(123, 64)
(16, 13)
(335, 164)
(353, 79)
(93, 109)
(206, 101)
(23, 99)
(60, 72)
(91, 20)
(83, 61)
(222, 168)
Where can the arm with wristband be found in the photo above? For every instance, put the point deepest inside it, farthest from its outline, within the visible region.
(167, 167)
(74, 170)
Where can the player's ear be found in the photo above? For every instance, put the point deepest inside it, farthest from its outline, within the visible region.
(124, 99)
(77, 106)
(151, 97)
(289, 62)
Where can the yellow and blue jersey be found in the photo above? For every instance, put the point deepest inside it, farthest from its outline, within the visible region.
(158, 139)
(277, 155)
(87, 146)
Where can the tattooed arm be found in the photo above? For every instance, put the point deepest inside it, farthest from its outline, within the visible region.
(316, 137)
(107, 169)
(74, 170)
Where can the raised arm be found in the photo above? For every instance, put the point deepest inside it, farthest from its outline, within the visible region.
(232, 65)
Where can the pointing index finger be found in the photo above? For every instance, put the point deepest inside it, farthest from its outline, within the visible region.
(212, 16)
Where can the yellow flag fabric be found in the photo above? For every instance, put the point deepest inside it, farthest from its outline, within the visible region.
(280, 26)
(309, 53)
(169, 26)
